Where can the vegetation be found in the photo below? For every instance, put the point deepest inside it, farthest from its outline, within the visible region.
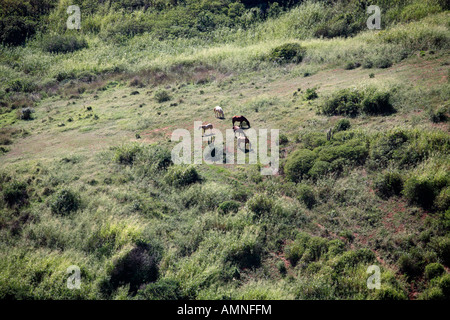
(86, 171)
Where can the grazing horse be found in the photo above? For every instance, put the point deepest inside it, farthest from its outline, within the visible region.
(206, 127)
(245, 140)
(238, 129)
(218, 112)
(240, 119)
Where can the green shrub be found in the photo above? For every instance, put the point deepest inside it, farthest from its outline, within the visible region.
(343, 102)
(389, 294)
(260, 204)
(298, 164)
(65, 202)
(127, 154)
(411, 264)
(289, 52)
(442, 247)
(164, 289)
(319, 169)
(162, 95)
(229, 206)
(283, 139)
(444, 285)
(14, 29)
(26, 114)
(180, 176)
(420, 191)
(15, 194)
(350, 259)
(376, 103)
(439, 116)
(442, 201)
(281, 267)
(383, 62)
(390, 184)
(294, 251)
(153, 159)
(311, 94)
(306, 195)
(352, 151)
(342, 125)
(61, 43)
(136, 268)
(434, 270)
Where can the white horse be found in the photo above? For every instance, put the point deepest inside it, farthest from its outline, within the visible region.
(218, 112)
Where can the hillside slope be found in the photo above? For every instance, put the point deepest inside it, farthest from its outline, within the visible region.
(86, 177)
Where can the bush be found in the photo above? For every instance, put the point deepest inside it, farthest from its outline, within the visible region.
(153, 159)
(376, 103)
(442, 247)
(162, 95)
(311, 94)
(434, 270)
(164, 289)
(390, 184)
(298, 164)
(14, 30)
(306, 195)
(289, 52)
(342, 125)
(283, 139)
(139, 266)
(180, 176)
(411, 264)
(65, 202)
(127, 154)
(439, 116)
(260, 204)
(26, 114)
(319, 169)
(420, 191)
(343, 102)
(389, 294)
(57, 43)
(444, 285)
(229, 206)
(442, 201)
(15, 194)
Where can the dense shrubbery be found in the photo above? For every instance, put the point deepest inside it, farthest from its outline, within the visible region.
(306, 195)
(136, 268)
(164, 289)
(298, 164)
(180, 176)
(390, 184)
(127, 154)
(161, 95)
(229, 206)
(351, 102)
(289, 52)
(434, 270)
(64, 43)
(15, 194)
(342, 125)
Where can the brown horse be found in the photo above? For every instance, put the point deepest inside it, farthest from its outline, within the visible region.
(206, 127)
(240, 119)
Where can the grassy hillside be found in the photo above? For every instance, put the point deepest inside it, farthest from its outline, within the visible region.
(86, 176)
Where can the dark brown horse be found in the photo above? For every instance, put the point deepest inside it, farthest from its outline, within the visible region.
(240, 119)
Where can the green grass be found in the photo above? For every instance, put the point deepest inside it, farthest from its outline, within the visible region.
(88, 192)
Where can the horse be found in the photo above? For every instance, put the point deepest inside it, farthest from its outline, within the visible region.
(238, 129)
(245, 140)
(206, 127)
(240, 119)
(218, 112)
